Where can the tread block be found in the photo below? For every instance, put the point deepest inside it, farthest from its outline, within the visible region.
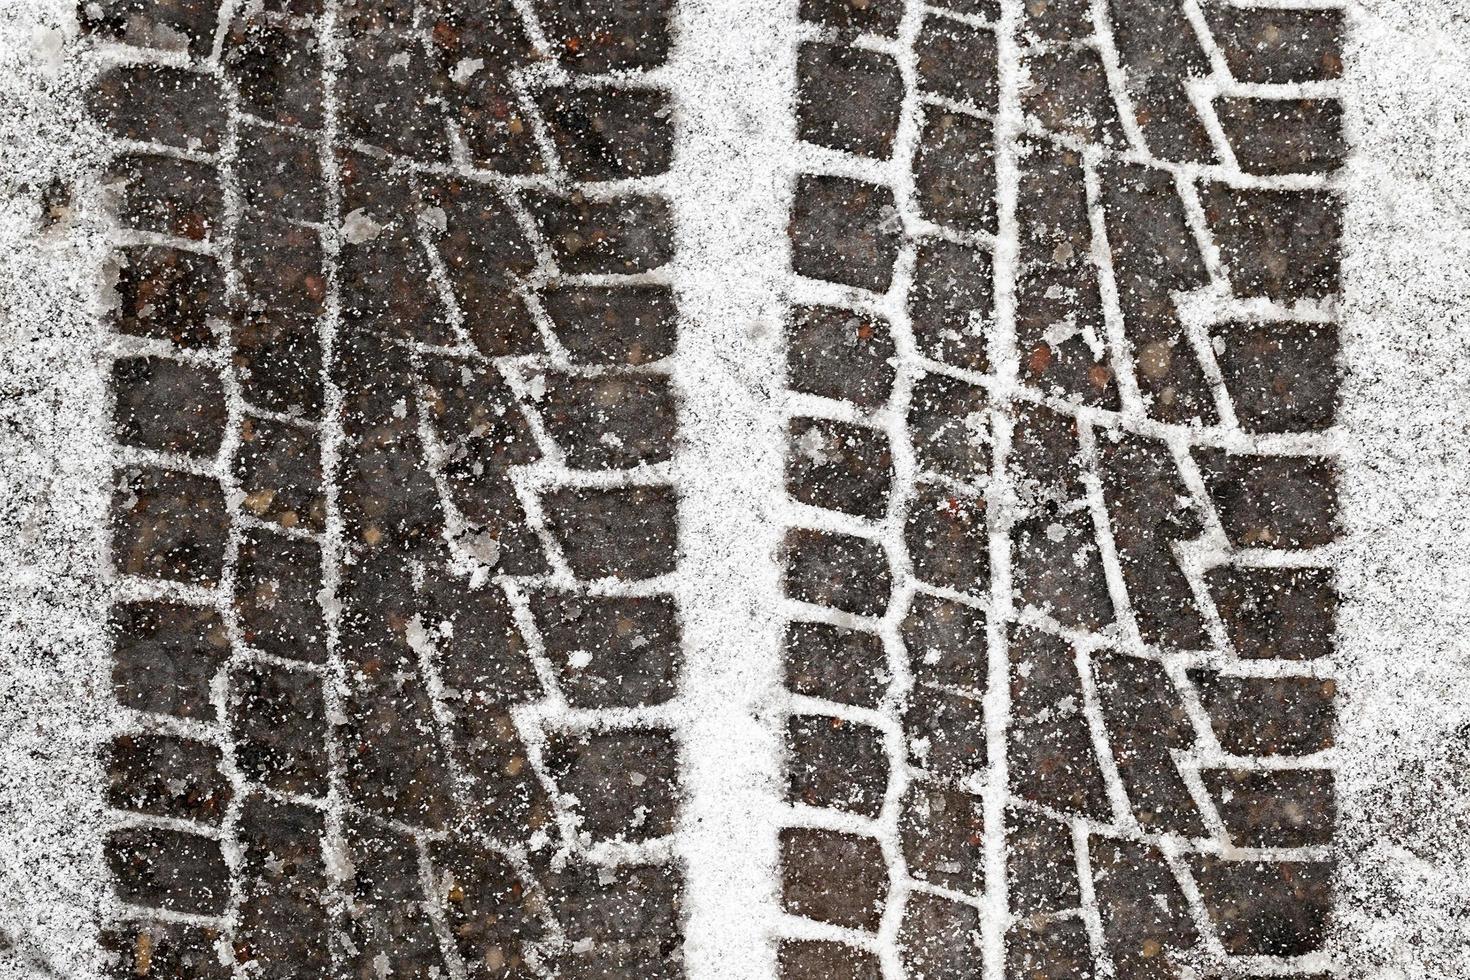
(163, 25)
(387, 91)
(1286, 502)
(629, 533)
(832, 877)
(835, 763)
(1282, 377)
(630, 325)
(951, 303)
(279, 470)
(848, 99)
(1070, 94)
(1261, 44)
(1267, 908)
(946, 644)
(1281, 244)
(277, 583)
(279, 723)
(484, 251)
(167, 776)
(475, 415)
(985, 9)
(282, 931)
(481, 655)
(491, 911)
(394, 763)
(838, 570)
(611, 421)
(611, 652)
(1155, 254)
(168, 869)
(388, 499)
(1059, 318)
(949, 424)
(1146, 922)
(1045, 454)
(1055, 950)
(595, 37)
(172, 106)
(840, 354)
(1274, 807)
(620, 783)
(383, 271)
(1051, 756)
(621, 923)
(946, 736)
(948, 540)
(1276, 613)
(628, 234)
(480, 429)
(166, 195)
(387, 917)
(378, 601)
(168, 294)
(835, 663)
(1146, 722)
(376, 382)
(165, 657)
(1284, 136)
(1160, 53)
(844, 231)
(939, 938)
(879, 17)
(839, 466)
(1057, 20)
(1041, 864)
(162, 949)
(820, 959)
(474, 49)
(256, 50)
(280, 173)
(278, 361)
(610, 133)
(281, 265)
(942, 834)
(1056, 569)
(168, 524)
(506, 799)
(167, 405)
(957, 61)
(1266, 716)
(1149, 509)
(1059, 331)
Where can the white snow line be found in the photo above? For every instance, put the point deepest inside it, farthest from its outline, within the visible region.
(1404, 867)
(1102, 24)
(1120, 350)
(1005, 362)
(1217, 290)
(1288, 4)
(731, 72)
(1102, 745)
(904, 482)
(434, 911)
(1091, 911)
(231, 211)
(1219, 69)
(335, 856)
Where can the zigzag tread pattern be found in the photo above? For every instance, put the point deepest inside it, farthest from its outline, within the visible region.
(1062, 379)
(393, 521)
